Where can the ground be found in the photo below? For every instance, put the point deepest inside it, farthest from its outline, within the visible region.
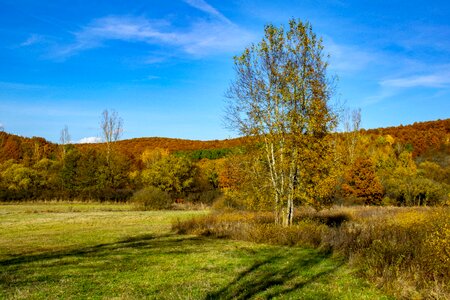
(103, 251)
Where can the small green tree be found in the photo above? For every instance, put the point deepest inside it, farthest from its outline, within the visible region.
(171, 174)
(68, 172)
(20, 181)
(151, 198)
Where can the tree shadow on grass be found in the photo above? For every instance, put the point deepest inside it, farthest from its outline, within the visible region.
(273, 272)
(82, 269)
(166, 243)
(275, 276)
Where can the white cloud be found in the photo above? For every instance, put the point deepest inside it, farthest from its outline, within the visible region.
(382, 94)
(389, 88)
(347, 58)
(156, 59)
(201, 37)
(31, 40)
(437, 80)
(90, 140)
(206, 37)
(205, 7)
(421, 35)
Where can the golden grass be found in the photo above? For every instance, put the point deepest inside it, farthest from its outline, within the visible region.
(404, 250)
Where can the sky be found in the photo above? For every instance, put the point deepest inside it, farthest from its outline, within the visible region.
(165, 66)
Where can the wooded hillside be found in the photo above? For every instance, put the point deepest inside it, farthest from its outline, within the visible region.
(404, 165)
(422, 137)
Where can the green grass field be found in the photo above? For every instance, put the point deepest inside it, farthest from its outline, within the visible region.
(104, 251)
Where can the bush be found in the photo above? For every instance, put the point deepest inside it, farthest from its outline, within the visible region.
(228, 201)
(205, 197)
(404, 250)
(151, 198)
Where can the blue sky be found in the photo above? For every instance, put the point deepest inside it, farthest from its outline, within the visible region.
(164, 66)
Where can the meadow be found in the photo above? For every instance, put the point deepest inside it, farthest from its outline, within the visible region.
(104, 251)
(405, 251)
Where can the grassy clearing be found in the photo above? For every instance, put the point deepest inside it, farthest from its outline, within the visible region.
(404, 250)
(80, 251)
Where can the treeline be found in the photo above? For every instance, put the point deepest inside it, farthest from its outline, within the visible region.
(132, 148)
(405, 165)
(420, 137)
(92, 174)
(383, 169)
(25, 150)
(206, 153)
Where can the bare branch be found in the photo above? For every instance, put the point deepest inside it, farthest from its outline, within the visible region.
(65, 136)
(112, 128)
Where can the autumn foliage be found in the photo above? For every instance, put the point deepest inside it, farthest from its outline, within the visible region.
(362, 183)
(405, 165)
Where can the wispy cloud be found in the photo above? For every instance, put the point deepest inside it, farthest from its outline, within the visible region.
(114, 28)
(347, 58)
(205, 7)
(89, 140)
(425, 36)
(32, 40)
(436, 80)
(214, 37)
(382, 94)
(439, 80)
(199, 38)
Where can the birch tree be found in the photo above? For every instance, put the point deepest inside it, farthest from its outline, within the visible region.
(352, 122)
(281, 98)
(112, 128)
(64, 140)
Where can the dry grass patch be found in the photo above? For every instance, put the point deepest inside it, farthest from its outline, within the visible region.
(404, 250)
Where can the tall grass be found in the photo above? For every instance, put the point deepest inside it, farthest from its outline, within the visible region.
(404, 250)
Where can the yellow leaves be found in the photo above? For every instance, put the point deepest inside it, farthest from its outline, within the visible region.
(150, 156)
(439, 243)
(17, 177)
(407, 166)
(389, 139)
(409, 219)
(133, 175)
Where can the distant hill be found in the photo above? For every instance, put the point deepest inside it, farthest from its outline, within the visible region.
(22, 149)
(134, 147)
(422, 137)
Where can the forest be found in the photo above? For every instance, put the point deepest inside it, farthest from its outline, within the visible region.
(404, 166)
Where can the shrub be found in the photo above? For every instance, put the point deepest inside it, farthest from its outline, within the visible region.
(229, 201)
(205, 197)
(151, 198)
(404, 250)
